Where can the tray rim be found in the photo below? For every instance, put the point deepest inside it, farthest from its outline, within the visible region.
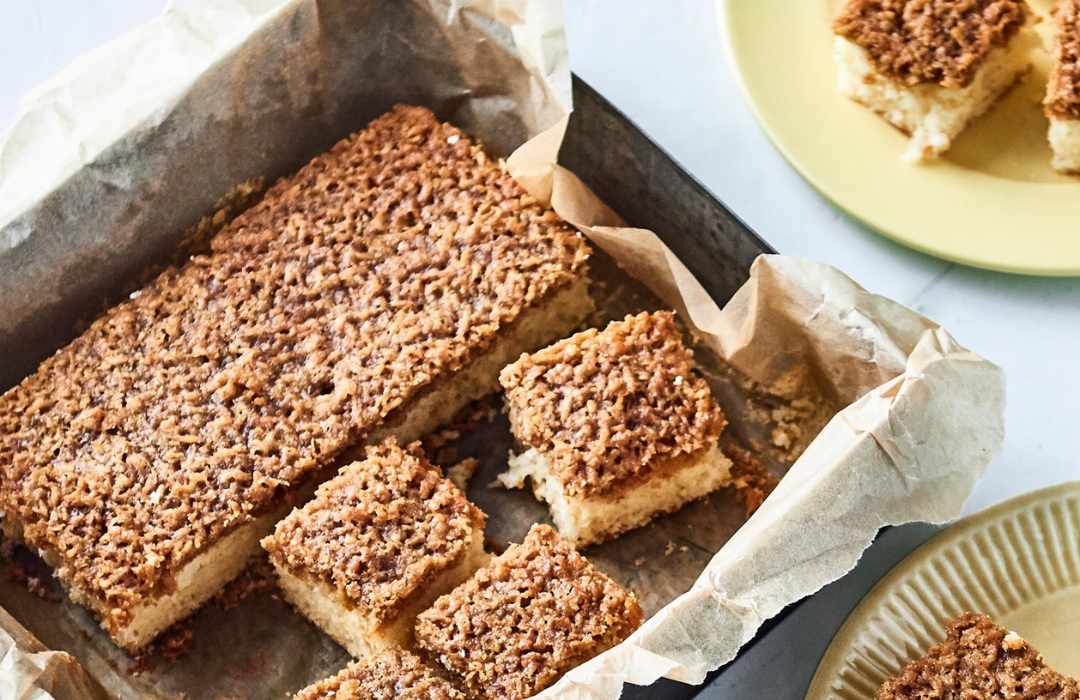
(580, 83)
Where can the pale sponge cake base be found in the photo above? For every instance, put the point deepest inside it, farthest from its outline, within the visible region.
(1065, 142)
(932, 115)
(198, 581)
(206, 574)
(360, 634)
(583, 520)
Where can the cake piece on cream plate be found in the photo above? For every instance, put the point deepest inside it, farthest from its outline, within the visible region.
(979, 659)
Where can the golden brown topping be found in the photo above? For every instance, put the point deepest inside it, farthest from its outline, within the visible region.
(1063, 92)
(380, 530)
(603, 406)
(527, 618)
(379, 267)
(930, 41)
(979, 660)
(392, 675)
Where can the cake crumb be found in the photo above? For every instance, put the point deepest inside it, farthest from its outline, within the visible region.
(461, 472)
(669, 548)
(176, 642)
(440, 438)
(171, 645)
(751, 480)
(1012, 642)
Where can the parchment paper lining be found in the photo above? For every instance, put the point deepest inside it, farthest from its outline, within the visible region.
(251, 88)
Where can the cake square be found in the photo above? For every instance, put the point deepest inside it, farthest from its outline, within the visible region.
(979, 659)
(1063, 90)
(378, 544)
(375, 292)
(525, 619)
(617, 427)
(390, 675)
(930, 67)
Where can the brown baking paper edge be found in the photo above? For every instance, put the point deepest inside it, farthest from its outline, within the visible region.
(925, 414)
(29, 671)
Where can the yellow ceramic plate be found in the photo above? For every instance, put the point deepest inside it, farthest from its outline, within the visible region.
(993, 202)
(1018, 562)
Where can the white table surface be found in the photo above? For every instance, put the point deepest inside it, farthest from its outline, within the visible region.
(665, 65)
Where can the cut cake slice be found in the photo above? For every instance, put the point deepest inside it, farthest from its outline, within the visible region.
(616, 425)
(525, 619)
(930, 67)
(378, 544)
(391, 675)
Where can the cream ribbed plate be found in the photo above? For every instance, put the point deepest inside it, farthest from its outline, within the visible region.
(1018, 562)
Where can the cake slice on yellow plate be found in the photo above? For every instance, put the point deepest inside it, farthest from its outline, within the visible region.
(1063, 92)
(930, 67)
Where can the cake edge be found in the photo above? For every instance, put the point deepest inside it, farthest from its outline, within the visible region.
(586, 519)
(360, 635)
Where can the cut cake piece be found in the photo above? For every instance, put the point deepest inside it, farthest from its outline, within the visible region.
(930, 67)
(391, 675)
(375, 292)
(978, 659)
(378, 544)
(525, 619)
(1063, 91)
(616, 425)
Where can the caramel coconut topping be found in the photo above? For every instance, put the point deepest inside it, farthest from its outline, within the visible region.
(930, 41)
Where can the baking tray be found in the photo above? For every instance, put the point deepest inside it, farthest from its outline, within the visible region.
(647, 188)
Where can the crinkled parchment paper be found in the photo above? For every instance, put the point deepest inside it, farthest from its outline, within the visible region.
(29, 671)
(114, 160)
